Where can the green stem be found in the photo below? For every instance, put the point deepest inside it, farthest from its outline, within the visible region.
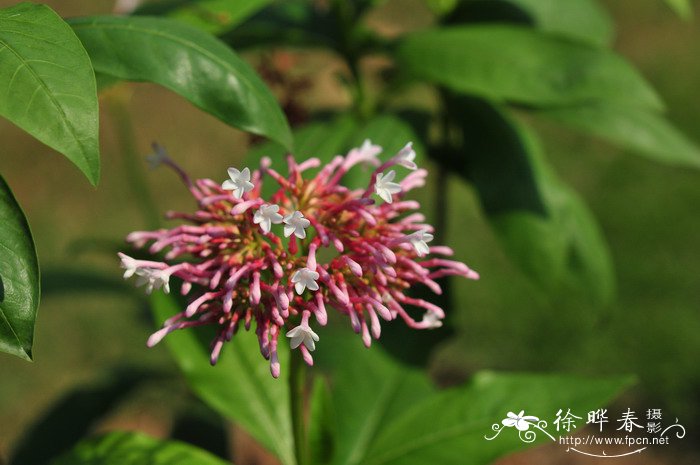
(297, 383)
(132, 160)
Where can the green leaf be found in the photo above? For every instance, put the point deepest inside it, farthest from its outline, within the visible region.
(451, 427)
(240, 386)
(128, 448)
(544, 226)
(48, 85)
(642, 131)
(68, 420)
(370, 391)
(683, 8)
(522, 65)
(187, 61)
(321, 432)
(583, 20)
(19, 278)
(212, 16)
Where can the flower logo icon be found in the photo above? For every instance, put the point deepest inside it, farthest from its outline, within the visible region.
(520, 421)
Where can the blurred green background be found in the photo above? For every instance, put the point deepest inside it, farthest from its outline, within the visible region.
(648, 212)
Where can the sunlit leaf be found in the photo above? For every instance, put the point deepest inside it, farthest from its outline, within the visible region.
(48, 85)
(520, 64)
(129, 448)
(187, 61)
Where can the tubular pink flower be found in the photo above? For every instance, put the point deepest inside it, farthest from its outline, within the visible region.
(345, 251)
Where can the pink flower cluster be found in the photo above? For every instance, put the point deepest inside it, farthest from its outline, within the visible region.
(334, 248)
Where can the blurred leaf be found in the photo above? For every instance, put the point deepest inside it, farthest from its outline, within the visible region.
(212, 16)
(240, 385)
(583, 20)
(683, 8)
(370, 391)
(286, 23)
(187, 61)
(633, 128)
(543, 224)
(451, 427)
(69, 419)
(19, 278)
(48, 84)
(321, 422)
(521, 65)
(128, 448)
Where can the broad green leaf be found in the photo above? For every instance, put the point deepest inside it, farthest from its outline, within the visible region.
(68, 420)
(129, 448)
(637, 129)
(19, 278)
(370, 391)
(451, 427)
(212, 16)
(240, 386)
(683, 8)
(47, 84)
(518, 64)
(187, 61)
(585, 20)
(542, 223)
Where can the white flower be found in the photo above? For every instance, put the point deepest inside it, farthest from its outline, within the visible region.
(419, 240)
(406, 156)
(266, 216)
(154, 279)
(431, 320)
(384, 187)
(295, 224)
(520, 421)
(239, 182)
(304, 278)
(303, 333)
(366, 153)
(129, 264)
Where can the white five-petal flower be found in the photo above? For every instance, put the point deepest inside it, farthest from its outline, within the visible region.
(384, 187)
(129, 265)
(153, 279)
(366, 153)
(432, 321)
(239, 182)
(303, 334)
(304, 278)
(266, 216)
(520, 421)
(419, 240)
(295, 223)
(406, 156)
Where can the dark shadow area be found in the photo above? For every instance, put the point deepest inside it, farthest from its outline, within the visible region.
(2, 290)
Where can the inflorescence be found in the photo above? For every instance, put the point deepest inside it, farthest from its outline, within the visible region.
(315, 244)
